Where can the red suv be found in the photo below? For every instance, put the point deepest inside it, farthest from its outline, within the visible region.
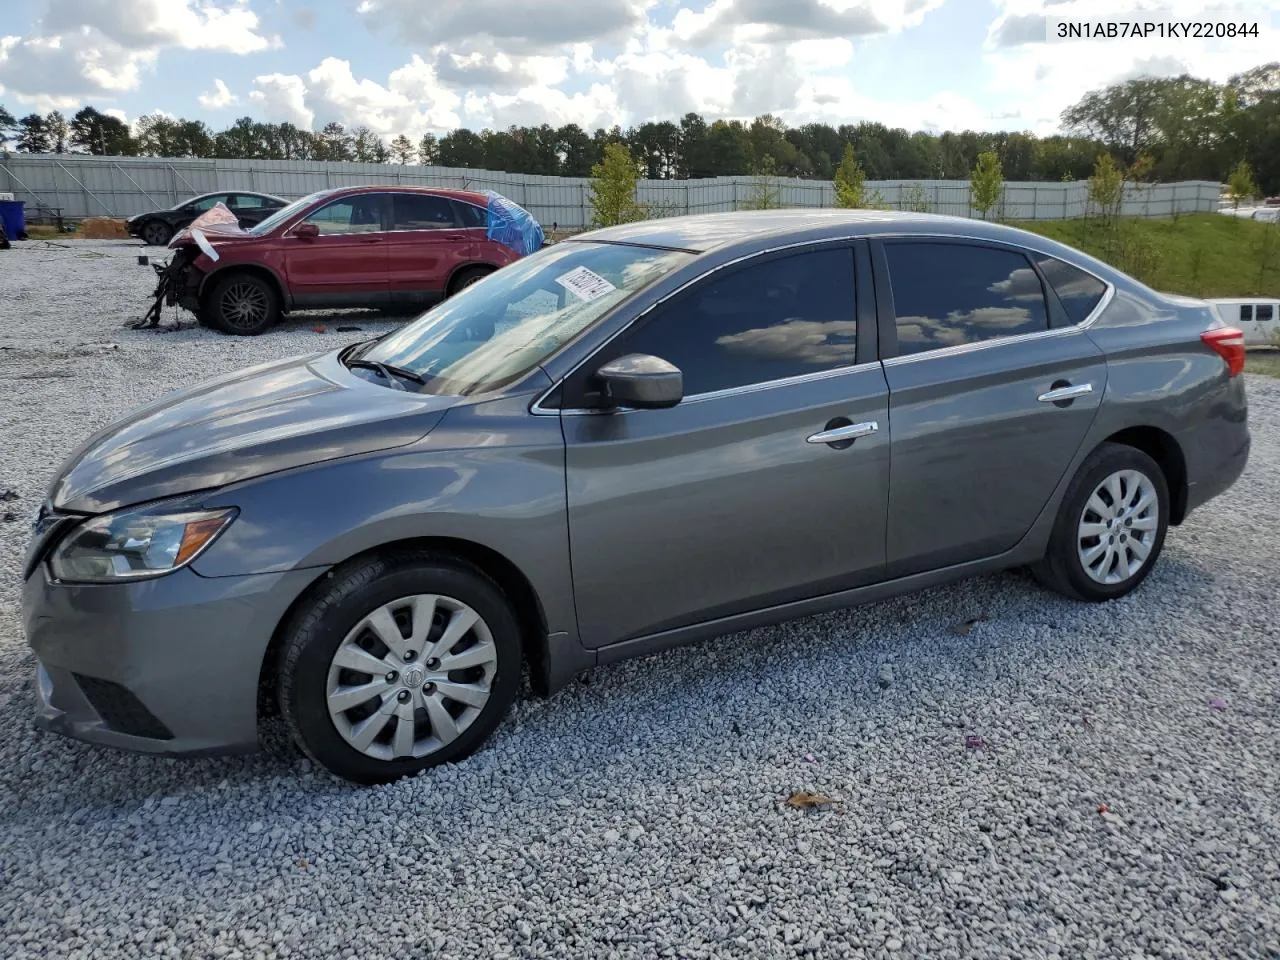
(349, 247)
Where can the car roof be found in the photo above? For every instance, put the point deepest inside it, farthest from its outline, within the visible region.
(470, 196)
(248, 193)
(702, 232)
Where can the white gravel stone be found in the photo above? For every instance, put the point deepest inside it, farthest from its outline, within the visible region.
(642, 815)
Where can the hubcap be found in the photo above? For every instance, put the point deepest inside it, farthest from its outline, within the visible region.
(244, 305)
(1118, 527)
(390, 702)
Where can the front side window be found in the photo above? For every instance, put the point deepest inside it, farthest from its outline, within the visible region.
(782, 318)
(359, 214)
(948, 294)
(1264, 312)
(496, 331)
(1079, 292)
(422, 211)
(249, 201)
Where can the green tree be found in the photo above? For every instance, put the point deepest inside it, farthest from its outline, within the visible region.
(613, 188)
(764, 193)
(335, 142)
(986, 183)
(59, 131)
(7, 125)
(402, 150)
(1240, 184)
(850, 181)
(1106, 188)
(100, 134)
(428, 150)
(33, 134)
(915, 199)
(367, 146)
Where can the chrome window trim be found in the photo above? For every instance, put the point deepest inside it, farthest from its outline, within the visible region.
(538, 409)
(960, 348)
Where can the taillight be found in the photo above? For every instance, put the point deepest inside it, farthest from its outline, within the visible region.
(1228, 343)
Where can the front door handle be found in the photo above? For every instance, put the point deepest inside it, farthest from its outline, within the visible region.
(370, 239)
(846, 434)
(1066, 392)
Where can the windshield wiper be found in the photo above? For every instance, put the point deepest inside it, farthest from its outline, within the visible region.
(387, 370)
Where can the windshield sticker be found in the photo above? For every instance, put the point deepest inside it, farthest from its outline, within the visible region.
(585, 285)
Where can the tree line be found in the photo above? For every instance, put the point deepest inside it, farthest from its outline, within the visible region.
(1179, 128)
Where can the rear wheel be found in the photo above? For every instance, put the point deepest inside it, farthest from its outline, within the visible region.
(401, 664)
(241, 304)
(156, 233)
(1110, 527)
(467, 277)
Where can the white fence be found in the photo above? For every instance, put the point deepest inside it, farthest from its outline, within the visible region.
(75, 186)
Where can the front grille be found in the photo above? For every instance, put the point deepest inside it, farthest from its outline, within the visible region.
(121, 710)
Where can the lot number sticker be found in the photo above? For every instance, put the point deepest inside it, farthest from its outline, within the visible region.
(585, 285)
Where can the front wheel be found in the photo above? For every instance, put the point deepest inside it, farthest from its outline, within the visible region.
(1110, 527)
(402, 663)
(241, 304)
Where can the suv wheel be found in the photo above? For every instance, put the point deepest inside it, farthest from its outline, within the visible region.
(402, 663)
(1110, 527)
(467, 277)
(242, 304)
(156, 233)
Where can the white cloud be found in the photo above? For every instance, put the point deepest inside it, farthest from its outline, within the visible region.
(519, 27)
(282, 98)
(219, 98)
(412, 102)
(786, 21)
(152, 24)
(100, 48)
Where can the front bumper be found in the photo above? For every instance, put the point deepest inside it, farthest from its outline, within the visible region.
(169, 666)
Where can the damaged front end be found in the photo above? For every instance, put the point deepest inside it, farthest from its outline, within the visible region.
(178, 283)
(179, 278)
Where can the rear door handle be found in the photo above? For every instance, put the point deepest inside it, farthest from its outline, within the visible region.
(370, 239)
(1058, 394)
(847, 433)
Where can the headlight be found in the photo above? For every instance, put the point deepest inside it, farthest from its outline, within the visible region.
(136, 544)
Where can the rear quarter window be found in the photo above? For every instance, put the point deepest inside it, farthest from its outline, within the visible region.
(1079, 292)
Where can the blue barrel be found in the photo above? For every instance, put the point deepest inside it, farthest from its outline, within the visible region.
(13, 216)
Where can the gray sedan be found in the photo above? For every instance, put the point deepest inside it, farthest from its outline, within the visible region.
(643, 436)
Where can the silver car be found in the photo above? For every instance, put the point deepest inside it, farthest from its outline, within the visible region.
(627, 441)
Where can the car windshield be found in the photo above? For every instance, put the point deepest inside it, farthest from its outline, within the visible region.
(283, 214)
(494, 332)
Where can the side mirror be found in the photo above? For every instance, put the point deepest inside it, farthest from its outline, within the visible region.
(642, 381)
(306, 231)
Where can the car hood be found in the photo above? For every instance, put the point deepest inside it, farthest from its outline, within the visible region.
(253, 422)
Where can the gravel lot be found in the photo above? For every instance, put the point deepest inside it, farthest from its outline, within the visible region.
(1112, 810)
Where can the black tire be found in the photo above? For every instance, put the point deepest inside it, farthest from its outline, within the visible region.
(1063, 568)
(156, 233)
(241, 304)
(322, 624)
(466, 277)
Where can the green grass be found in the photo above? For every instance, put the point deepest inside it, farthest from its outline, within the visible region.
(1200, 255)
(1265, 362)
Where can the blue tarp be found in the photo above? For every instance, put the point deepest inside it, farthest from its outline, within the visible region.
(512, 225)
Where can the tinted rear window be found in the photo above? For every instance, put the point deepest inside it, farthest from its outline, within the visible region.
(1079, 292)
(947, 294)
(1264, 312)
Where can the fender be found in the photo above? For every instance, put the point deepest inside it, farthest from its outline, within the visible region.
(256, 266)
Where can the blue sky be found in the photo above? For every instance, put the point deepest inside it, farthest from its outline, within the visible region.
(416, 65)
